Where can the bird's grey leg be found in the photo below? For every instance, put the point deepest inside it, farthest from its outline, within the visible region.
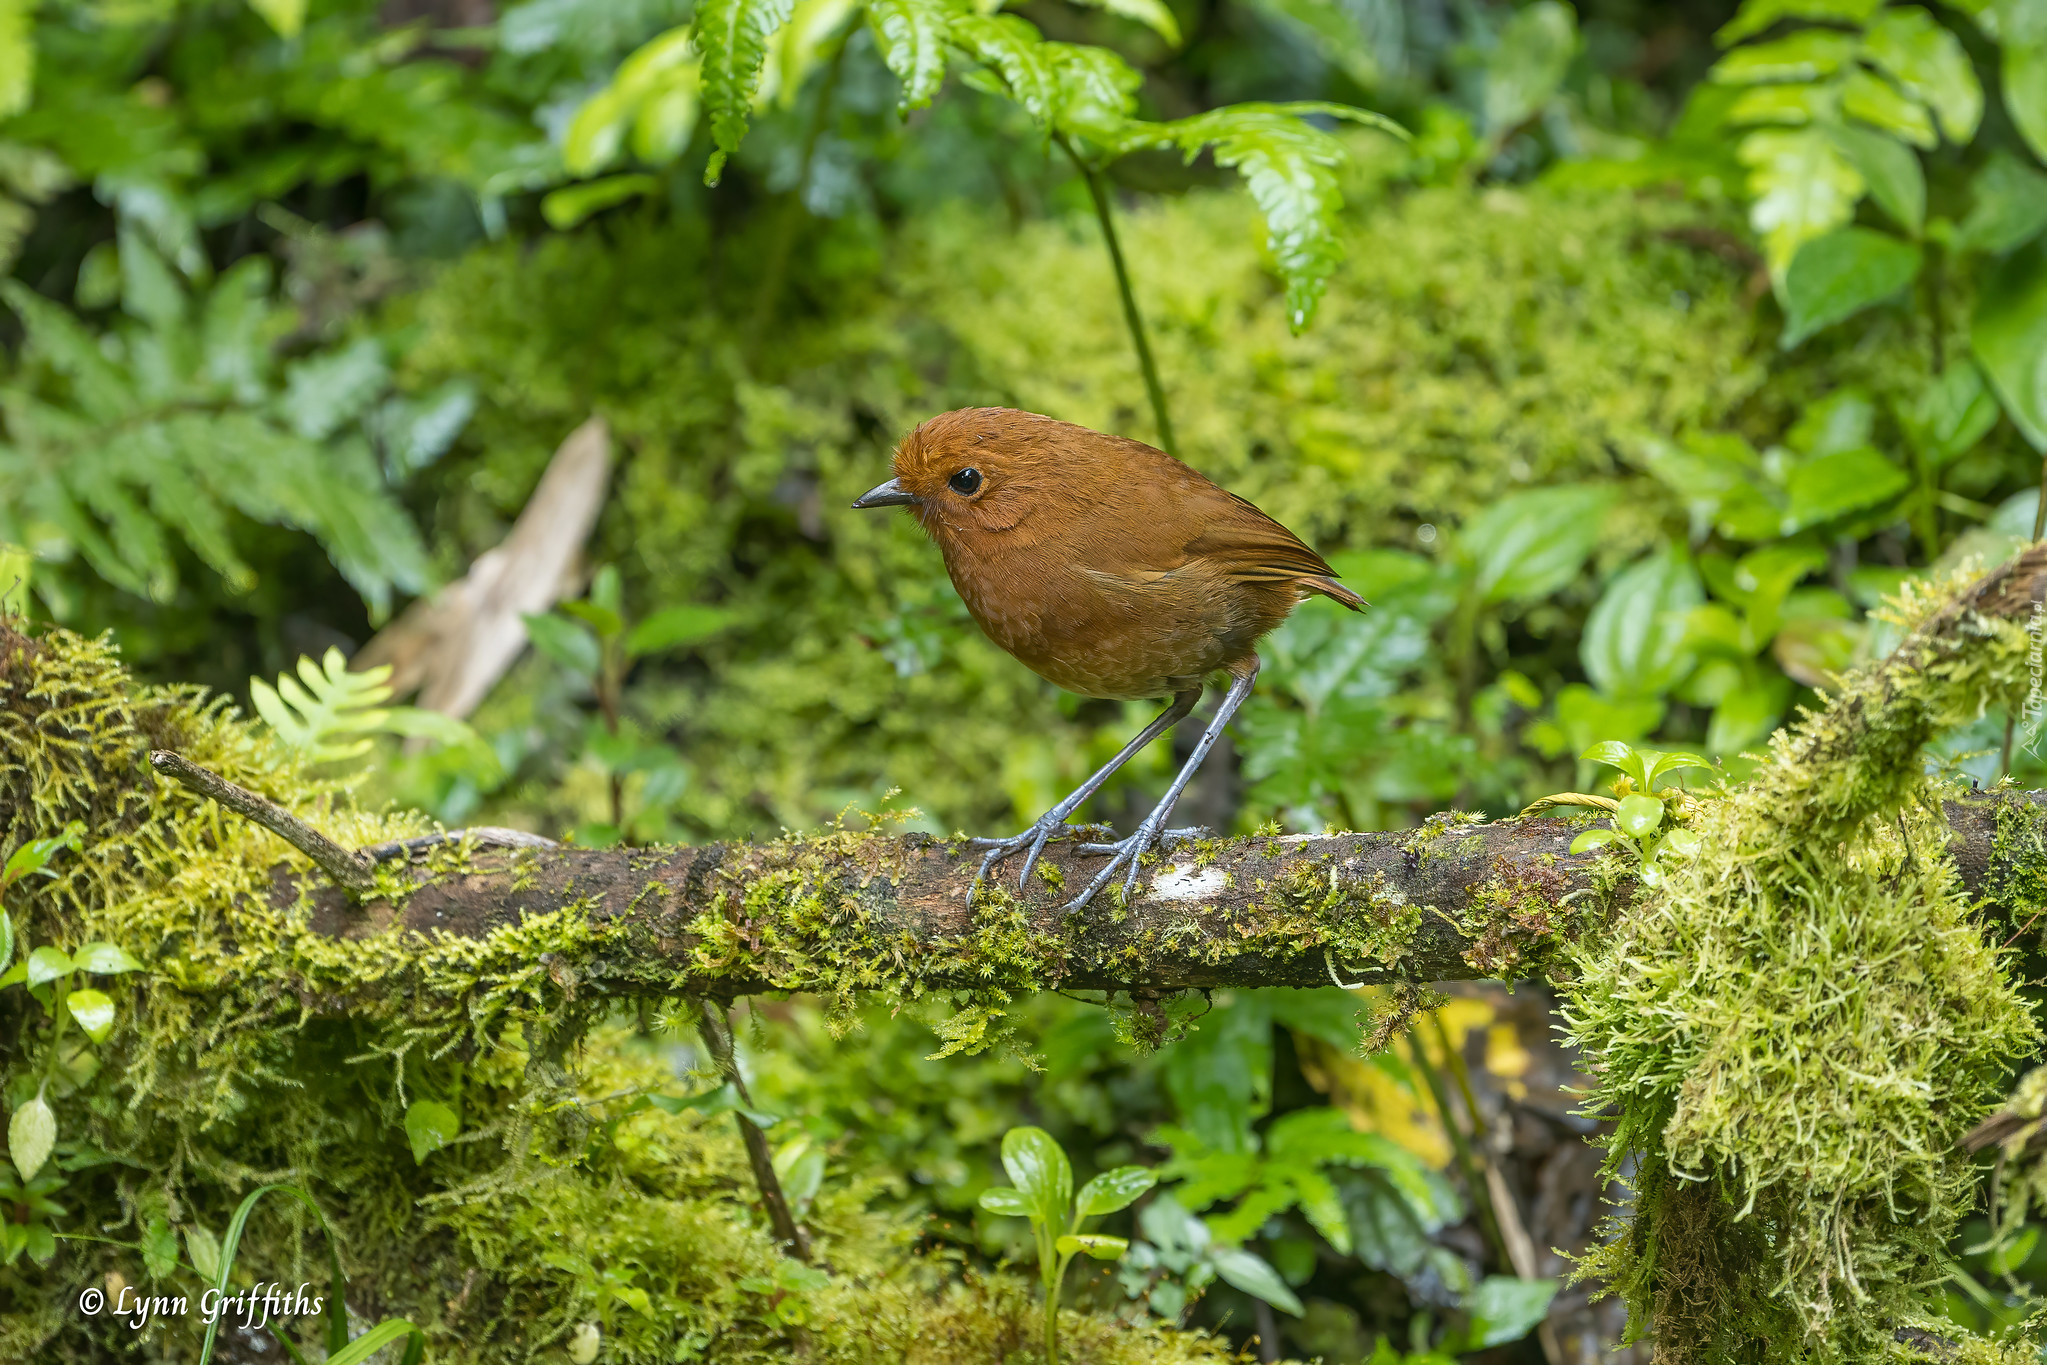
(1054, 819)
(1128, 853)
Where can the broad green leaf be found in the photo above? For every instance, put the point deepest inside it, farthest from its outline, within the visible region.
(800, 1164)
(104, 959)
(1834, 485)
(2008, 208)
(1527, 545)
(1037, 1166)
(1953, 411)
(1639, 815)
(1113, 1190)
(571, 204)
(1877, 102)
(1675, 760)
(674, 627)
(1336, 32)
(1008, 1201)
(1895, 179)
(1681, 842)
(566, 642)
(430, 1126)
(1255, 1276)
(1928, 61)
(285, 16)
(1745, 717)
(6, 940)
(35, 855)
(47, 964)
(1013, 50)
(17, 55)
(1616, 754)
(912, 36)
(1153, 14)
(1755, 16)
(725, 1099)
(1837, 276)
(1591, 839)
(1527, 64)
(732, 36)
(2009, 335)
(1802, 56)
(1098, 1245)
(2008, 1258)
(1506, 1309)
(204, 1249)
(2022, 34)
(1634, 641)
(93, 1010)
(1803, 186)
(159, 1247)
(597, 131)
(31, 1134)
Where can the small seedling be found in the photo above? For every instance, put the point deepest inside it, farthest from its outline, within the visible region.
(1641, 810)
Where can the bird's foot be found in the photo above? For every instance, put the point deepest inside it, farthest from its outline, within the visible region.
(1031, 843)
(1127, 856)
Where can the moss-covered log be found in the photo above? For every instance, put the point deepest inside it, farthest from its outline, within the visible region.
(1453, 901)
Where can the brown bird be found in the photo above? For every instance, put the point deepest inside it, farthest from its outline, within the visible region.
(1109, 568)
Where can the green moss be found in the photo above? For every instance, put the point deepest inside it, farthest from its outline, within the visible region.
(1796, 1029)
(1516, 909)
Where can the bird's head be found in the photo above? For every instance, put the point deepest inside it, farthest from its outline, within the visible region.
(979, 471)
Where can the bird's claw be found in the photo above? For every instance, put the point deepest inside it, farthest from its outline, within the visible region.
(1128, 853)
(1033, 839)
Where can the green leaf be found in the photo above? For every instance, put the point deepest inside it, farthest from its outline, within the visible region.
(1012, 49)
(1745, 717)
(566, 642)
(2009, 335)
(6, 940)
(1681, 842)
(2008, 209)
(93, 1010)
(104, 959)
(327, 713)
(571, 204)
(328, 389)
(1336, 33)
(732, 36)
(2022, 32)
(1634, 641)
(1287, 166)
(1153, 14)
(1929, 62)
(2007, 1259)
(1756, 15)
(1008, 1201)
(1255, 1276)
(1506, 1309)
(674, 627)
(912, 37)
(1837, 276)
(31, 1134)
(1802, 186)
(430, 1126)
(1095, 1244)
(17, 55)
(1591, 839)
(1113, 1190)
(1527, 64)
(204, 1249)
(1674, 761)
(35, 855)
(159, 1248)
(1527, 545)
(1639, 815)
(1615, 754)
(1835, 485)
(47, 964)
(1802, 56)
(800, 1164)
(285, 16)
(385, 1333)
(1877, 102)
(1895, 179)
(725, 1099)
(1952, 412)
(1037, 1166)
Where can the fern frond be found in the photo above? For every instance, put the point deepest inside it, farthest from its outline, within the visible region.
(732, 36)
(331, 717)
(1012, 49)
(912, 36)
(1153, 14)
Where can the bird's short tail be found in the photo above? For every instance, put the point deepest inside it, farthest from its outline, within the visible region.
(1329, 587)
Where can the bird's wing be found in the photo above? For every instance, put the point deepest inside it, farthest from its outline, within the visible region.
(1251, 547)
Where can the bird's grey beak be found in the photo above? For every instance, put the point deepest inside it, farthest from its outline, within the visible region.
(890, 494)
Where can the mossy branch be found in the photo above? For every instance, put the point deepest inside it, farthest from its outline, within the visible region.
(354, 872)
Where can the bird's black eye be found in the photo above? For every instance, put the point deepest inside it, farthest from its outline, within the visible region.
(965, 482)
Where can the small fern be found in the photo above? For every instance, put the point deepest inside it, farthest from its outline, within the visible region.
(733, 37)
(330, 715)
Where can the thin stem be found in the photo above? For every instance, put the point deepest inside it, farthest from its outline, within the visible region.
(2040, 512)
(352, 871)
(1481, 1194)
(716, 1028)
(1100, 194)
(776, 275)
